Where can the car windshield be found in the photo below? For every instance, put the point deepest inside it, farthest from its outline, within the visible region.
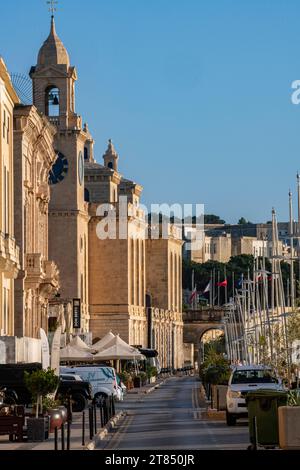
(253, 376)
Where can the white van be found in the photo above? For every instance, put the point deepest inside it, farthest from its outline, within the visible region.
(102, 379)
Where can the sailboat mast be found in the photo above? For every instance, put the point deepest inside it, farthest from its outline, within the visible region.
(291, 234)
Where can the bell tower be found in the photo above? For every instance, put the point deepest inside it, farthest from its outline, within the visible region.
(53, 80)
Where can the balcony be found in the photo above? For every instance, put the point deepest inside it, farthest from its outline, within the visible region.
(9, 256)
(41, 274)
(54, 120)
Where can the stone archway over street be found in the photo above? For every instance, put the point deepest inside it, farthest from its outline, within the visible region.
(198, 322)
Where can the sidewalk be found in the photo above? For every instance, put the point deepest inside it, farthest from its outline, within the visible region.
(76, 438)
(76, 427)
(147, 388)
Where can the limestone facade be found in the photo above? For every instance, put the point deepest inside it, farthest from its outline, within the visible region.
(9, 251)
(135, 283)
(164, 292)
(38, 279)
(116, 261)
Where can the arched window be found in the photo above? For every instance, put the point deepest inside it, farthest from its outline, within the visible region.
(110, 165)
(86, 153)
(86, 195)
(52, 101)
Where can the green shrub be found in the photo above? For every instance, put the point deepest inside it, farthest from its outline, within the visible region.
(151, 371)
(293, 398)
(40, 383)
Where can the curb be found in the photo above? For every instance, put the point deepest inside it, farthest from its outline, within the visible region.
(103, 433)
(155, 387)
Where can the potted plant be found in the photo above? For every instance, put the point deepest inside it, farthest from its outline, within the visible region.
(151, 374)
(57, 413)
(39, 383)
(289, 422)
(127, 379)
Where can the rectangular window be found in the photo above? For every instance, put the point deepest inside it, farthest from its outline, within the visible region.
(4, 326)
(4, 124)
(6, 199)
(8, 129)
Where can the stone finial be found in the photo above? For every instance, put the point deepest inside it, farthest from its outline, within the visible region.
(111, 149)
(111, 157)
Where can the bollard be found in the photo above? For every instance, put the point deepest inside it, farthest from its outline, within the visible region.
(95, 417)
(68, 435)
(91, 424)
(101, 413)
(106, 411)
(70, 408)
(113, 407)
(55, 439)
(62, 437)
(83, 428)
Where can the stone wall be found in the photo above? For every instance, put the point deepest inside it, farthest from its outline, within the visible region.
(19, 350)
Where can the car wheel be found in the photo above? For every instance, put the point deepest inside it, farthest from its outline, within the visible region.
(230, 419)
(79, 402)
(99, 398)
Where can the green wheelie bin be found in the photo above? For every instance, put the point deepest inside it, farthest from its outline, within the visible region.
(263, 416)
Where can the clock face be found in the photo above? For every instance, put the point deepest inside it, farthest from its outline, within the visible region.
(80, 168)
(59, 170)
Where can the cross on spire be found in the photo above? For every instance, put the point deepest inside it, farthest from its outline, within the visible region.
(52, 6)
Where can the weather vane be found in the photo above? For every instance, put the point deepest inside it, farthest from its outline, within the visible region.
(52, 7)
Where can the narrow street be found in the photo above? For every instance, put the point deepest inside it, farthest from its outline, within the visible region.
(171, 418)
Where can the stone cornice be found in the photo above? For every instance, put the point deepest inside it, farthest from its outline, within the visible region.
(69, 213)
(7, 81)
(38, 131)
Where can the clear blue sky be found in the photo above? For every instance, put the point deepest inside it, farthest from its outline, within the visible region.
(196, 94)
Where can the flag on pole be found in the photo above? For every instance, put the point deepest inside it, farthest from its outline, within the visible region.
(194, 293)
(240, 282)
(222, 284)
(207, 288)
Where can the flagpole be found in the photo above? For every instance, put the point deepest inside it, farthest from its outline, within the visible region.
(226, 288)
(291, 233)
(211, 289)
(193, 286)
(218, 289)
(233, 282)
(214, 286)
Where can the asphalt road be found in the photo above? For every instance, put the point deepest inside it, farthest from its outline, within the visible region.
(170, 418)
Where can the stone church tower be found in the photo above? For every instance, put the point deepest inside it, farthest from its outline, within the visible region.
(54, 96)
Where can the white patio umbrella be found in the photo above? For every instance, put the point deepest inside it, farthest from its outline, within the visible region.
(120, 342)
(77, 343)
(118, 352)
(102, 343)
(72, 354)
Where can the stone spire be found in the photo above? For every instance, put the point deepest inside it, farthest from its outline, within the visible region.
(53, 52)
(111, 157)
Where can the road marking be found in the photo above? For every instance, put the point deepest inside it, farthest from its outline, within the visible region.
(116, 439)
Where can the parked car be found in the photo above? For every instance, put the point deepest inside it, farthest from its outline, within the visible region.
(121, 385)
(102, 379)
(12, 380)
(244, 379)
